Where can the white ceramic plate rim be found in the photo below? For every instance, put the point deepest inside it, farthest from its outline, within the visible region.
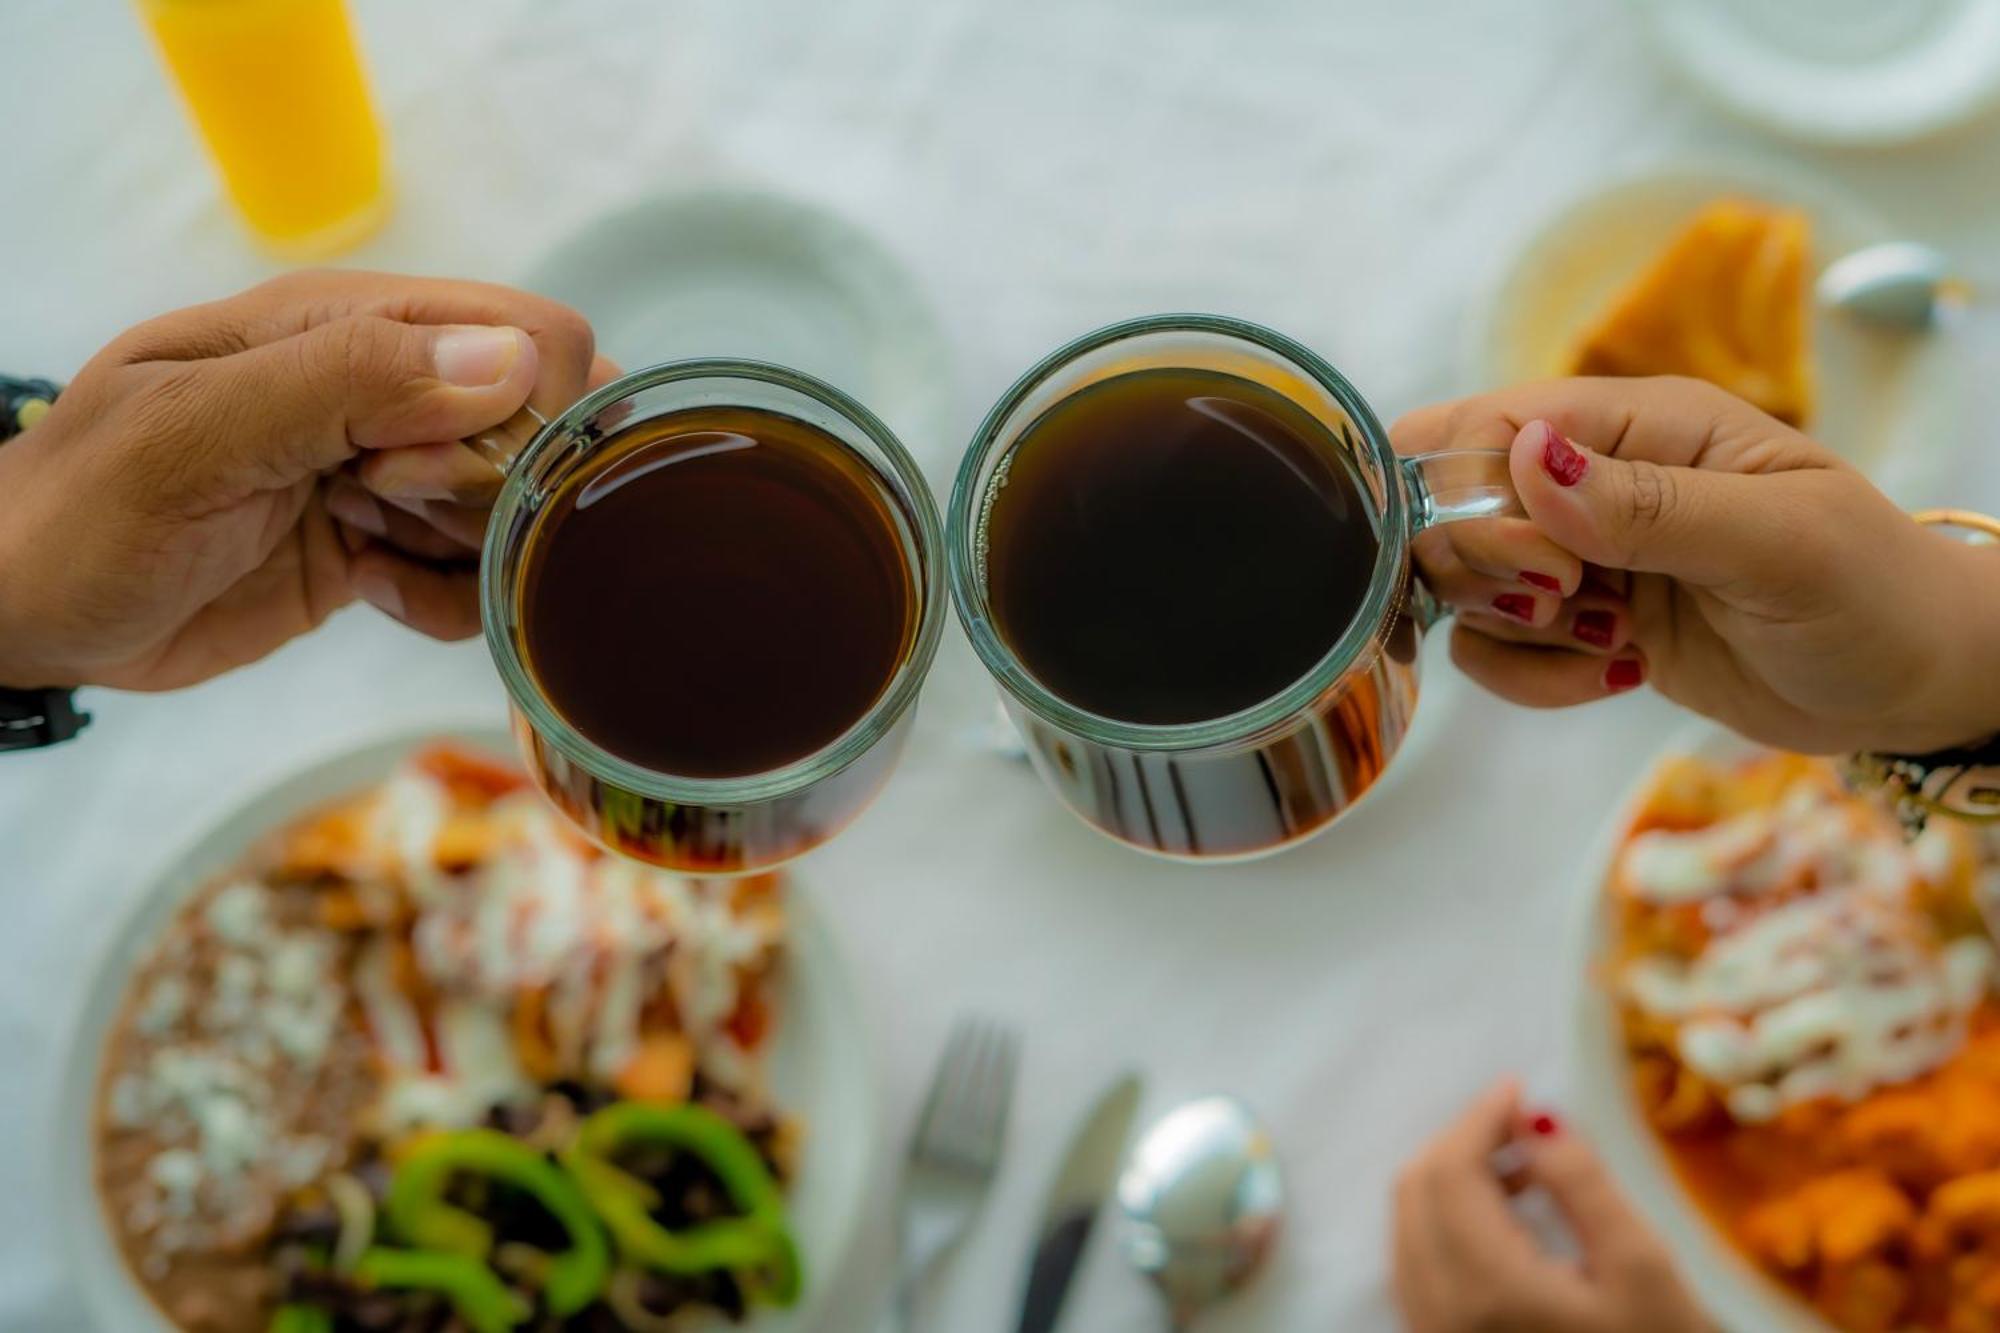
(916, 404)
(821, 1003)
(1733, 1290)
(1822, 110)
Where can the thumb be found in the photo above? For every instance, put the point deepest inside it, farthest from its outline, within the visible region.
(1704, 527)
(307, 403)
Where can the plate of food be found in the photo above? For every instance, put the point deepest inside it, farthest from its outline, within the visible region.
(393, 1047)
(1708, 271)
(1787, 1043)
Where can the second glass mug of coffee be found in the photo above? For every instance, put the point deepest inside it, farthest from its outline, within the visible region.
(1256, 781)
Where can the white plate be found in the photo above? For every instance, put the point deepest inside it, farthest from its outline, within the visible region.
(1838, 71)
(740, 273)
(821, 1068)
(1877, 406)
(1735, 1293)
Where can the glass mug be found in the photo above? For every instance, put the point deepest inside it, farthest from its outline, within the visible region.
(703, 825)
(1278, 772)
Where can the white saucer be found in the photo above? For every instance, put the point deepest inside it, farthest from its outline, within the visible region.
(729, 272)
(1838, 71)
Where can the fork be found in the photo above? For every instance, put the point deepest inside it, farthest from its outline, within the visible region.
(953, 1153)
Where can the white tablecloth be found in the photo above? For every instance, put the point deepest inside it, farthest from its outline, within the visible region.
(1349, 173)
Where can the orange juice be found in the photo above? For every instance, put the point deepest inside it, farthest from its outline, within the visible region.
(277, 90)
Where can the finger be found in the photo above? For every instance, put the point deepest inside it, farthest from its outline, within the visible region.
(1459, 587)
(1593, 621)
(1701, 526)
(1544, 677)
(441, 601)
(306, 404)
(1596, 1210)
(603, 370)
(1665, 419)
(409, 533)
(446, 471)
(297, 301)
(449, 471)
(1515, 551)
(1482, 1127)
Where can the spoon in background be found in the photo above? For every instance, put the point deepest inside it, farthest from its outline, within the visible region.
(1203, 1199)
(1899, 286)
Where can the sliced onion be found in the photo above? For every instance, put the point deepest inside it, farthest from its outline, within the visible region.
(622, 1295)
(356, 1208)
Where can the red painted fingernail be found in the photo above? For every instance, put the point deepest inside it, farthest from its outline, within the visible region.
(1625, 673)
(1594, 628)
(1517, 605)
(1562, 460)
(1546, 582)
(1545, 1124)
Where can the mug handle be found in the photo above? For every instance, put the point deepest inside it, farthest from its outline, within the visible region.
(1456, 484)
(501, 445)
(1448, 487)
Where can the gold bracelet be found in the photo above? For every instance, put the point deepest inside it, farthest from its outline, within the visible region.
(1962, 782)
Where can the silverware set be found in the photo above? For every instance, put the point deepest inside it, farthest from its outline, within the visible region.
(1200, 1191)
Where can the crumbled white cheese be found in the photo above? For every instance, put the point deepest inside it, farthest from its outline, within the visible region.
(238, 915)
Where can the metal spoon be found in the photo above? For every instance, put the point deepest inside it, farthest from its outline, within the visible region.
(1203, 1198)
(1901, 286)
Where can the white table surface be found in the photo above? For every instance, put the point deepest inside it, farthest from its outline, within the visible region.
(1352, 174)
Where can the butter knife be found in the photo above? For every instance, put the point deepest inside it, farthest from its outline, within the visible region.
(1088, 1172)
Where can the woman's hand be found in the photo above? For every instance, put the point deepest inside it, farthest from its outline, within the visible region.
(1464, 1263)
(1677, 535)
(221, 479)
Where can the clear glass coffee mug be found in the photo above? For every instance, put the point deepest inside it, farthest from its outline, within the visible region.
(1276, 773)
(705, 826)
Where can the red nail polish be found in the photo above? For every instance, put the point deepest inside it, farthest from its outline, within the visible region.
(1516, 605)
(1545, 1124)
(1594, 628)
(1546, 582)
(1562, 460)
(1623, 674)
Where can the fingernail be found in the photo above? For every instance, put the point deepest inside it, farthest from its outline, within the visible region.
(1546, 582)
(1594, 628)
(357, 509)
(1623, 674)
(379, 592)
(1563, 461)
(1516, 605)
(472, 356)
(1545, 1124)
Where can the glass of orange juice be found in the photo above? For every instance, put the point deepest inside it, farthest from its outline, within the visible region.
(277, 91)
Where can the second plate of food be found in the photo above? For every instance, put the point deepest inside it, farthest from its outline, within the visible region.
(392, 1046)
(1787, 1043)
(1708, 271)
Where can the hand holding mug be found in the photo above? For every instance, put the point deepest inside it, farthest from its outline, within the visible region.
(221, 479)
(1743, 570)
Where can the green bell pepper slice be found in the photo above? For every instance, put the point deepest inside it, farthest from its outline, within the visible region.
(482, 1300)
(417, 1210)
(296, 1318)
(757, 1246)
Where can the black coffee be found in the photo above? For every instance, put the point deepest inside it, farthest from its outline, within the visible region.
(1175, 545)
(719, 592)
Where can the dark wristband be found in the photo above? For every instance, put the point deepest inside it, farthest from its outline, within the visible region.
(31, 719)
(23, 402)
